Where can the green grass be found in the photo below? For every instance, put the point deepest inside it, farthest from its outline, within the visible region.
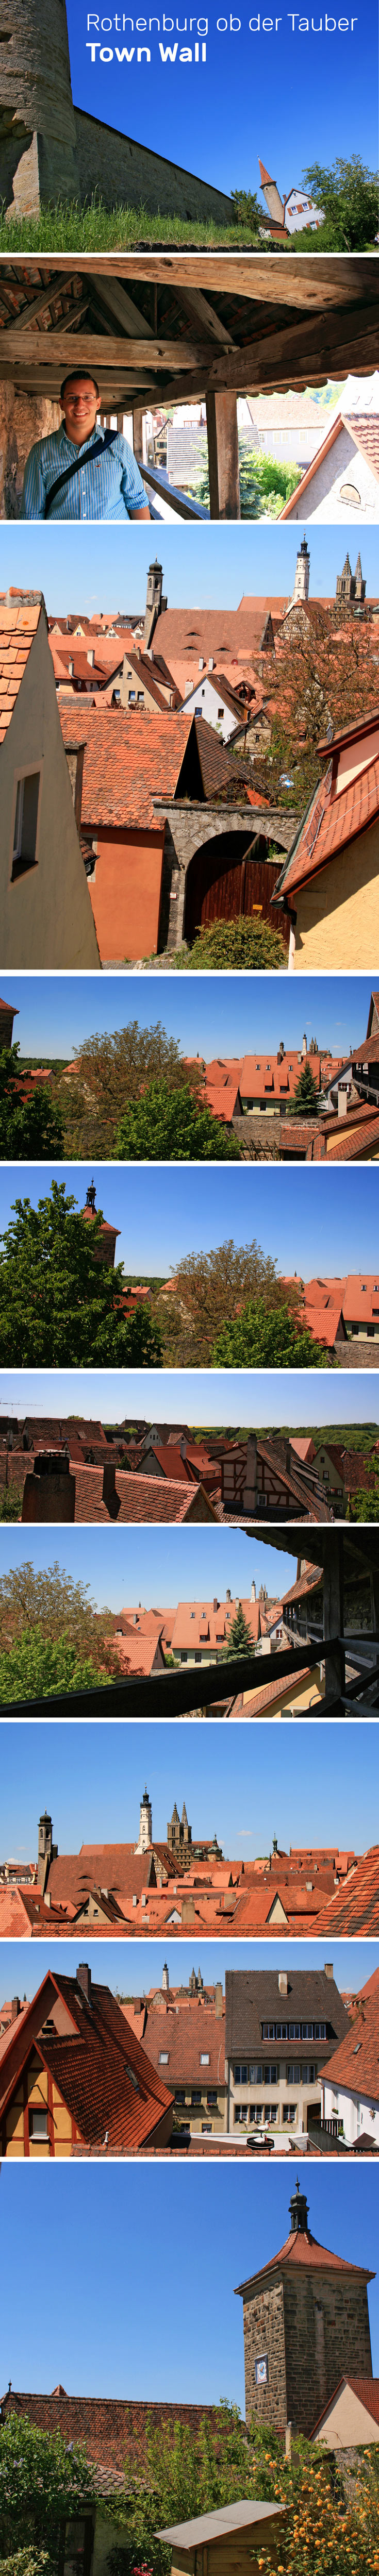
(91, 227)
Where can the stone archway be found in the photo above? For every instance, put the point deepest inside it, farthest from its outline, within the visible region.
(225, 880)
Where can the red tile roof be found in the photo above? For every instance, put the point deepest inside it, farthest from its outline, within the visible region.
(141, 1498)
(302, 2252)
(89, 2063)
(128, 763)
(18, 626)
(332, 824)
(355, 1908)
(367, 2391)
(355, 2063)
(114, 2429)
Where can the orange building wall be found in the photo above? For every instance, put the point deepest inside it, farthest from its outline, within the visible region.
(126, 893)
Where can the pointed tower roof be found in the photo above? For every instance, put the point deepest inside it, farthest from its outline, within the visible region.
(184, 1817)
(346, 567)
(175, 1817)
(266, 182)
(302, 2251)
(358, 569)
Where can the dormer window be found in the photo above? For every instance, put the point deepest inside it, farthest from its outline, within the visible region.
(129, 2070)
(363, 1288)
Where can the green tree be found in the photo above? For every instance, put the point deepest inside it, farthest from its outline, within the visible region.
(348, 194)
(27, 1127)
(237, 944)
(209, 1288)
(59, 1305)
(42, 2484)
(109, 1074)
(306, 1098)
(327, 2529)
(47, 1606)
(260, 1339)
(173, 1127)
(264, 484)
(364, 1505)
(240, 1641)
(247, 208)
(35, 1667)
(11, 1502)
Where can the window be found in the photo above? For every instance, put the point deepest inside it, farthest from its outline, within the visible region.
(129, 2070)
(255, 2075)
(25, 824)
(38, 2124)
(363, 1288)
(163, 2058)
(228, 1614)
(256, 2113)
(292, 2074)
(240, 2075)
(220, 712)
(241, 2110)
(319, 2030)
(131, 697)
(198, 711)
(192, 1614)
(212, 2097)
(309, 2074)
(271, 2075)
(180, 2098)
(271, 2114)
(290, 2113)
(195, 2099)
(206, 2128)
(204, 2058)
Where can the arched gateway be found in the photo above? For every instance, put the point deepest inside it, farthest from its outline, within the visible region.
(225, 879)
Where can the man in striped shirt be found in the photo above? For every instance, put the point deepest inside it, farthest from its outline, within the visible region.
(108, 487)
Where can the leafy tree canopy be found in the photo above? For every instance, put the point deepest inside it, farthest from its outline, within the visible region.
(36, 1666)
(265, 1339)
(173, 1127)
(365, 1504)
(306, 1098)
(210, 1288)
(349, 195)
(327, 2529)
(111, 1070)
(27, 1127)
(230, 944)
(59, 1305)
(45, 1604)
(41, 2483)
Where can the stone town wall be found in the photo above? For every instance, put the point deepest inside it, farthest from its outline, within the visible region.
(125, 173)
(23, 419)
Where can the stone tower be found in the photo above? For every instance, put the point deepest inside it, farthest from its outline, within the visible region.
(47, 1850)
(179, 1838)
(38, 158)
(301, 582)
(155, 603)
(349, 585)
(306, 2322)
(145, 1824)
(104, 1250)
(271, 193)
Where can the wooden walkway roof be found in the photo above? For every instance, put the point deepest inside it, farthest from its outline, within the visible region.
(177, 326)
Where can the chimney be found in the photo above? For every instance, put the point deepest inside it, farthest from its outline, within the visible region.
(188, 1909)
(218, 2002)
(83, 1979)
(15, 2007)
(342, 1103)
(288, 1458)
(201, 661)
(250, 1488)
(253, 1595)
(211, 662)
(283, 1981)
(304, 1045)
(328, 1967)
(109, 1495)
(75, 764)
(228, 1596)
(91, 657)
(71, 670)
(215, 1603)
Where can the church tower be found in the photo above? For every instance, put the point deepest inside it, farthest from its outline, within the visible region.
(105, 1247)
(306, 2322)
(155, 603)
(360, 586)
(145, 1824)
(37, 125)
(301, 582)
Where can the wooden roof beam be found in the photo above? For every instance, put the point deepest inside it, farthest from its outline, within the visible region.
(122, 354)
(307, 352)
(309, 280)
(113, 299)
(39, 304)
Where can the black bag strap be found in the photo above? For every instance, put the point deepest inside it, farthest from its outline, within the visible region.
(78, 467)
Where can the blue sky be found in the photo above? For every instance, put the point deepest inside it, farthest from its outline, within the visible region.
(96, 1795)
(85, 2234)
(151, 1565)
(208, 1015)
(211, 567)
(131, 1969)
(291, 99)
(196, 1396)
(325, 1221)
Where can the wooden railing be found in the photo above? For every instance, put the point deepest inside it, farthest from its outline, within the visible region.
(158, 482)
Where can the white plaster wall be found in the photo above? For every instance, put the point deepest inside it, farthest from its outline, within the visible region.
(46, 916)
(357, 2111)
(205, 697)
(344, 462)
